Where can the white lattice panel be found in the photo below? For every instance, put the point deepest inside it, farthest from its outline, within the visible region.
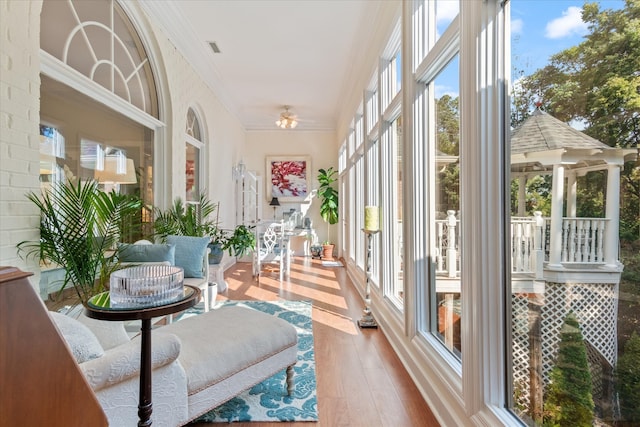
(595, 306)
(520, 348)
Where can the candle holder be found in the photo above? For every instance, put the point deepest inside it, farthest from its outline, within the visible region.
(367, 320)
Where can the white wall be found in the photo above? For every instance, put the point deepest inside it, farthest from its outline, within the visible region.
(322, 148)
(222, 132)
(19, 133)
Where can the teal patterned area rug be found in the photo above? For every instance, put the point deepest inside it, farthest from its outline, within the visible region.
(267, 401)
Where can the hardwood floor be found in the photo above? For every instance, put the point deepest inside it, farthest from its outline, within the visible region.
(360, 380)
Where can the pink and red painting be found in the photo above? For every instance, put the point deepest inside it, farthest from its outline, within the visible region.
(288, 178)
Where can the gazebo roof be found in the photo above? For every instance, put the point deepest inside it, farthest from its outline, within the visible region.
(543, 132)
(542, 141)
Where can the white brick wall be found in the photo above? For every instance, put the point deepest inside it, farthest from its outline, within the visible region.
(19, 120)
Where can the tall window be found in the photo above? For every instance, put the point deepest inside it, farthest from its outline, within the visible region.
(572, 308)
(193, 147)
(394, 255)
(445, 296)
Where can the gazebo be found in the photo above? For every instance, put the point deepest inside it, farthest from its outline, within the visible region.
(563, 264)
(543, 145)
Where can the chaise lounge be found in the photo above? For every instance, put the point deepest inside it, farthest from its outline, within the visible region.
(198, 363)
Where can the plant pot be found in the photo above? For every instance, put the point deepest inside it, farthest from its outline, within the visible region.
(215, 256)
(327, 251)
(316, 251)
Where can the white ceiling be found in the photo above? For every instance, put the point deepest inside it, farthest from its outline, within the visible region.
(273, 53)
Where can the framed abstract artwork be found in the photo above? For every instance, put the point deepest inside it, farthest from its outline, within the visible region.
(288, 178)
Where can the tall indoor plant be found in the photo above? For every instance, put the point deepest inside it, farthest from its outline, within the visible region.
(79, 226)
(328, 204)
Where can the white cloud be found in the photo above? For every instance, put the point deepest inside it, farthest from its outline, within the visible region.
(516, 26)
(446, 10)
(442, 90)
(568, 25)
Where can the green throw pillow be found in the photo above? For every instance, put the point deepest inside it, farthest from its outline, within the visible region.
(146, 253)
(190, 253)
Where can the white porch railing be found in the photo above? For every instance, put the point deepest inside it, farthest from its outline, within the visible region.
(447, 245)
(527, 243)
(583, 240)
(582, 243)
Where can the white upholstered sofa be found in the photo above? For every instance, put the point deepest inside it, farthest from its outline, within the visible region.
(198, 363)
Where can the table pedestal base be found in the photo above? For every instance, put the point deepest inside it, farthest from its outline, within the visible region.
(367, 320)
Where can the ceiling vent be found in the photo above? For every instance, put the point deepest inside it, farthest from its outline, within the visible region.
(214, 47)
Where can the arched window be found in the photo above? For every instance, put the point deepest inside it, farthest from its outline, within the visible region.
(193, 146)
(87, 132)
(98, 40)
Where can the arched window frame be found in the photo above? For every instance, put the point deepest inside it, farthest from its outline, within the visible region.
(194, 139)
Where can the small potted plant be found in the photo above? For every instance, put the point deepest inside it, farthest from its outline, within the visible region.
(241, 242)
(328, 205)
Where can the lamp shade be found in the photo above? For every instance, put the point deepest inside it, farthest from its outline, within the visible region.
(274, 202)
(111, 174)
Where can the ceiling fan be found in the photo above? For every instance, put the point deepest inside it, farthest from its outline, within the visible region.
(287, 119)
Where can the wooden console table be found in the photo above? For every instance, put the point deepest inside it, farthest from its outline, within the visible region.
(42, 385)
(99, 307)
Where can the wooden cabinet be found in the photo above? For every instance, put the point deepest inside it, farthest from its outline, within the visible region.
(40, 381)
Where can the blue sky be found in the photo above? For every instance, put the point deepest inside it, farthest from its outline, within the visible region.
(539, 28)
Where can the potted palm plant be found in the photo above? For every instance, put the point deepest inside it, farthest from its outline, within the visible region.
(328, 205)
(194, 220)
(186, 220)
(79, 226)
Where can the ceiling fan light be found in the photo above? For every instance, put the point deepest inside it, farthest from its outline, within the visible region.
(286, 121)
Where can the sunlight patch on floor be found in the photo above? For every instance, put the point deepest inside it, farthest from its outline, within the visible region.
(335, 320)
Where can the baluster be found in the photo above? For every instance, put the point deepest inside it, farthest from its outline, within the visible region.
(527, 246)
(593, 227)
(601, 230)
(538, 242)
(439, 251)
(451, 247)
(565, 240)
(518, 246)
(582, 251)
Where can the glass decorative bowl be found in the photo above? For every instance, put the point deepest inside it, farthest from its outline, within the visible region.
(146, 286)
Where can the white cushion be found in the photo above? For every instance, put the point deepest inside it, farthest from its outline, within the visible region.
(83, 343)
(123, 362)
(249, 336)
(109, 334)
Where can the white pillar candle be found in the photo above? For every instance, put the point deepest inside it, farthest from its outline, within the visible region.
(371, 218)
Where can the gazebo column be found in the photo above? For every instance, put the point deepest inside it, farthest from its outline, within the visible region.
(612, 210)
(555, 229)
(572, 189)
(522, 195)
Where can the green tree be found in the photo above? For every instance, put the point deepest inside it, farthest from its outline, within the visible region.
(448, 125)
(448, 137)
(597, 81)
(627, 375)
(568, 401)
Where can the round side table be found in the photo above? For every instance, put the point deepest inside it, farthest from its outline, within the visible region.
(99, 307)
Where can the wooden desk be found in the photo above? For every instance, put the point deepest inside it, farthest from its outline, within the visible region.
(99, 307)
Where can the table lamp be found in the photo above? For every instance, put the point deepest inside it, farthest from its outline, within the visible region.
(275, 203)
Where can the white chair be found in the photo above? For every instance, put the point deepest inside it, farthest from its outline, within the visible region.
(272, 252)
